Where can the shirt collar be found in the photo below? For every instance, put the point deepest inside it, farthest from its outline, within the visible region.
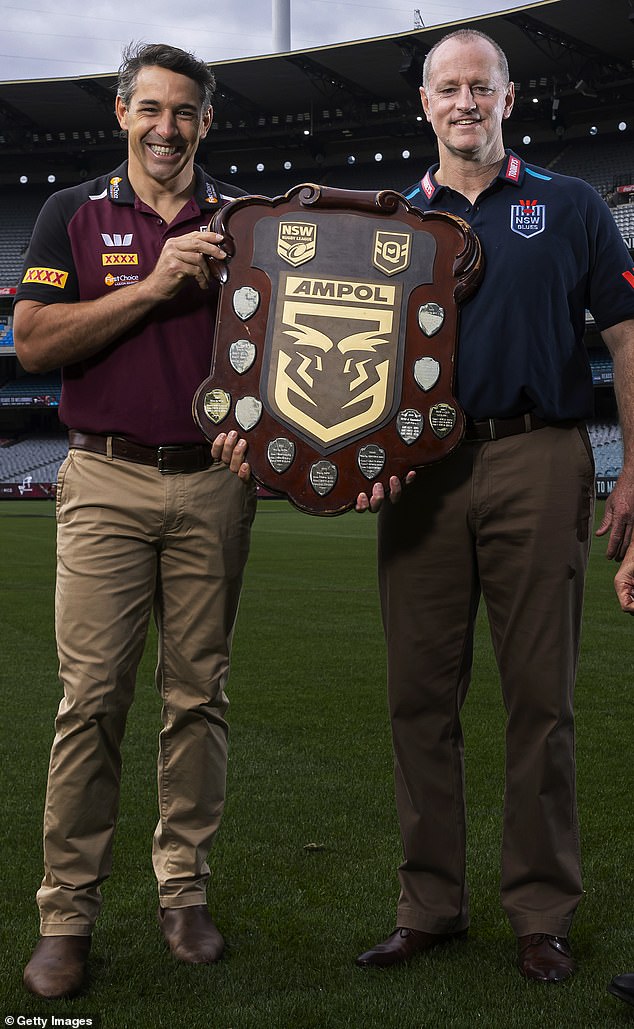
(120, 191)
(512, 173)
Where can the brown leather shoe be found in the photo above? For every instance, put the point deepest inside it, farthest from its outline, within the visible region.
(402, 945)
(191, 934)
(545, 958)
(57, 967)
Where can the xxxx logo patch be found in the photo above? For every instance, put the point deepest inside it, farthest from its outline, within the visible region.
(119, 259)
(48, 276)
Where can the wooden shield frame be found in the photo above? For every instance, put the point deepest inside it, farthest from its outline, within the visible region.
(335, 343)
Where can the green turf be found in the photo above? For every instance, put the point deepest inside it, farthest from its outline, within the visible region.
(304, 867)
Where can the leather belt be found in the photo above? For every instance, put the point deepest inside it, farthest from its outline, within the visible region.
(170, 460)
(498, 428)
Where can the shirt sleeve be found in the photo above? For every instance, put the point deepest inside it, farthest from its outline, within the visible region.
(610, 295)
(49, 275)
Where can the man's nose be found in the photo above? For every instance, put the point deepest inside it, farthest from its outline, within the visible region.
(166, 125)
(466, 100)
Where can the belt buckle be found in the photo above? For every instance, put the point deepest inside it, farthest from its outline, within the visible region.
(162, 453)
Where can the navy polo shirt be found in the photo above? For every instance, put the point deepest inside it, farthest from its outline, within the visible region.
(551, 250)
(98, 237)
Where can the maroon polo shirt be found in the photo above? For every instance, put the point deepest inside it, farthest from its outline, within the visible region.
(98, 237)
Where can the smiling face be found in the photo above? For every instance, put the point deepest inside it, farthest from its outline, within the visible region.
(165, 123)
(467, 98)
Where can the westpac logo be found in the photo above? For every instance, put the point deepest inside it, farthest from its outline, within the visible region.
(116, 240)
(528, 218)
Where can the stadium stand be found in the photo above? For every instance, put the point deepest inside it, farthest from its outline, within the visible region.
(37, 456)
(18, 212)
(358, 101)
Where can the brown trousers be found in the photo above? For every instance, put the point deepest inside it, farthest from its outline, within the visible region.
(131, 541)
(511, 520)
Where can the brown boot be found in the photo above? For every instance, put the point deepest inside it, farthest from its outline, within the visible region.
(57, 967)
(191, 934)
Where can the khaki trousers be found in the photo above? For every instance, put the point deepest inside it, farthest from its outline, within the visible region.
(510, 519)
(131, 541)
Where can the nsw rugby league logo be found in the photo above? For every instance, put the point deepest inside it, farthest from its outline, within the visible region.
(528, 218)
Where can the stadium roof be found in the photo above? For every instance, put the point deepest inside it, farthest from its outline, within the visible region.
(572, 64)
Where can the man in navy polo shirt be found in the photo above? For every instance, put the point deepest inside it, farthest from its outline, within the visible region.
(117, 291)
(507, 516)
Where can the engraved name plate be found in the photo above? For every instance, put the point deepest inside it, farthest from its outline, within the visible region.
(242, 354)
(430, 318)
(280, 453)
(323, 476)
(442, 419)
(217, 404)
(426, 372)
(371, 459)
(246, 301)
(409, 425)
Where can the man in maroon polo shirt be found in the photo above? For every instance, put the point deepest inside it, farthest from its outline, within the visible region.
(117, 290)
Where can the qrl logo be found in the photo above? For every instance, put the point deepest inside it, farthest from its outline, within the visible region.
(391, 252)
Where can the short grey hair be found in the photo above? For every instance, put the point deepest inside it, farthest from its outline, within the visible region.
(466, 36)
(146, 55)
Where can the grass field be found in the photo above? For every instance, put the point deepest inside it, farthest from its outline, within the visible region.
(304, 868)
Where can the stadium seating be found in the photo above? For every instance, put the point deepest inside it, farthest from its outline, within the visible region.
(31, 390)
(607, 446)
(604, 162)
(39, 457)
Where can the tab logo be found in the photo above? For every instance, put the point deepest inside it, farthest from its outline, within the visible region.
(528, 218)
(116, 240)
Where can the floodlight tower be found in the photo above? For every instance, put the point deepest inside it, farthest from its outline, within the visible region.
(281, 26)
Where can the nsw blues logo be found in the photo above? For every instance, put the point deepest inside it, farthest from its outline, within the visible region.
(528, 218)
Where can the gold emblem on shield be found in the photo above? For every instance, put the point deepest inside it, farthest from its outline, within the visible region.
(297, 242)
(392, 251)
(332, 373)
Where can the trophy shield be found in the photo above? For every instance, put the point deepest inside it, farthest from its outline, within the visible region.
(336, 337)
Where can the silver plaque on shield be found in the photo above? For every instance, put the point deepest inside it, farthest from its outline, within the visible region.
(246, 301)
(430, 318)
(242, 354)
(323, 476)
(426, 372)
(371, 459)
(409, 425)
(248, 412)
(280, 453)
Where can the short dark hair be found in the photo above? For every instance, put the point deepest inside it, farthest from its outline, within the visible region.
(466, 36)
(145, 55)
